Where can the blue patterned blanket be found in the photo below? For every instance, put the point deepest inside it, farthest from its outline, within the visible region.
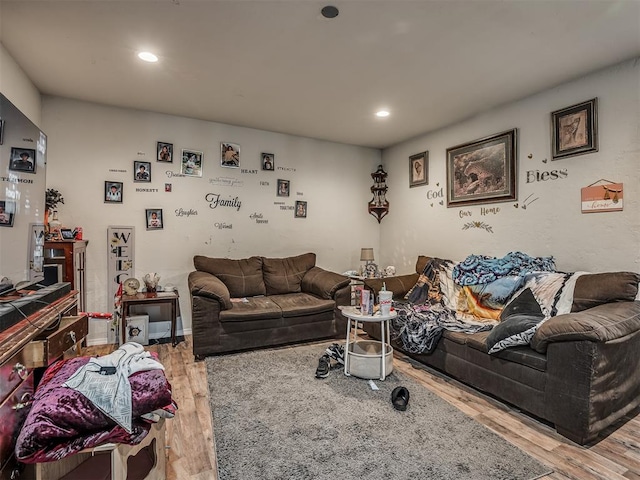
(481, 269)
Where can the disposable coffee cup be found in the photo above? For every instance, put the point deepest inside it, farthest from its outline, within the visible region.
(384, 297)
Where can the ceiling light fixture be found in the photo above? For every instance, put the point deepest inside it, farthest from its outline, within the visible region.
(382, 113)
(329, 12)
(147, 57)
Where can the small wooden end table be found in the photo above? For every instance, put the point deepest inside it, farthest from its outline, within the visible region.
(147, 298)
(353, 317)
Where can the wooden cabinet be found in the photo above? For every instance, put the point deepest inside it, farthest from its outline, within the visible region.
(50, 328)
(71, 257)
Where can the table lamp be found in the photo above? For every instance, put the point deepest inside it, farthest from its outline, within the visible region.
(366, 255)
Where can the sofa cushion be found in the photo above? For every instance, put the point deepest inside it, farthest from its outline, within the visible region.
(299, 304)
(598, 288)
(254, 308)
(323, 283)
(242, 277)
(518, 323)
(284, 275)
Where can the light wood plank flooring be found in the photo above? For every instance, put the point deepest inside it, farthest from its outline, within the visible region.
(190, 435)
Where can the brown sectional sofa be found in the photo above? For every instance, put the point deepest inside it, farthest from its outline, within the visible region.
(259, 301)
(581, 371)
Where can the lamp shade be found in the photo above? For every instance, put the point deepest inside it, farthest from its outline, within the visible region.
(366, 255)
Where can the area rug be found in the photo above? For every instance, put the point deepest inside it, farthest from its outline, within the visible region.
(272, 419)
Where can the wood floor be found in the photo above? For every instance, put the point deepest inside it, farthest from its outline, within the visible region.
(190, 435)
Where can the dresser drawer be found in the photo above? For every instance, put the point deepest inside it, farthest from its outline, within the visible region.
(50, 346)
(12, 373)
(13, 412)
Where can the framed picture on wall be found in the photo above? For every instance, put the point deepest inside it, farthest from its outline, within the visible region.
(7, 212)
(283, 188)
(23, 160)
(1, 131)
(482, 171)
(112, 192)
(575, 130)
(418, 169)
(230, 155)
(268, 161)
(153, 218)
(191, 163)
(301, 209)
(141, 171)
(164, 152)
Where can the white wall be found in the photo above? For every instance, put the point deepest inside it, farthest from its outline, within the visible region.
(553, 224)
(18, 88)
(90, 144)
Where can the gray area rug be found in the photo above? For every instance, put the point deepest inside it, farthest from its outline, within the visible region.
(272, 419)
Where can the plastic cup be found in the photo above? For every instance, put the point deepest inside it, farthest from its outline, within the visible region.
(384, 297)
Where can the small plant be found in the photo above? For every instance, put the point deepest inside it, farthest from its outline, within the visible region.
(52, 198)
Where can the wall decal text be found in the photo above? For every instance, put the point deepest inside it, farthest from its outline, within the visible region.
(481, 225)
(433, 194)
(489, 211)
(465, 213)
(215, 201)
(286, 169)
(264, 184)
(118, 170)
(538, 176)
(170, 174)
(226, 182)
(13, 179)
(222, 225)
(147, 190)
(185, 213)
(258, 217)
(244, 170)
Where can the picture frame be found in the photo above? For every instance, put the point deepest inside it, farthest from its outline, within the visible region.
(230, 155)
(153, 218)
(141, 171)
(301, 209)
(7, 213)
(419, 169)
(23, 160)
(1, 131)
(283, 188)
(164, 152)
(113, 191)
(483, 171)
(67, 234)
(268, 161)
(191, 163)
(574, 130)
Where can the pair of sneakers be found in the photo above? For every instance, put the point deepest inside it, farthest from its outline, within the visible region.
(334, 352)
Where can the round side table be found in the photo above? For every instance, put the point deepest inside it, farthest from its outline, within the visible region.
(362, 360)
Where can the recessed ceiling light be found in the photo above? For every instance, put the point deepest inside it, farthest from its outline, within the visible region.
(147, 57)
(382, 113)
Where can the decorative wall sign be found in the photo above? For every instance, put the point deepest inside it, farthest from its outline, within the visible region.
(153, 217)
(283, 188)
(191, 163)
(418, 169)
(112, 192)
(268, 161)
(121, 253)
(482, 171)
(379, 206)
(575, 130)
(602, 198)
(215, 201)
(481, 225)
(23, 160)
(230, 155)
(165, 152)
(141, 171)
(301, 209)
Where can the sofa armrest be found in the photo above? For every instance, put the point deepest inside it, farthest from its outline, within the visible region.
(204, 284)
(603, 323)
(323, 283)
(399, 285)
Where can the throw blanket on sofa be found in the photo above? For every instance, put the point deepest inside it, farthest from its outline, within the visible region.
(480, 269)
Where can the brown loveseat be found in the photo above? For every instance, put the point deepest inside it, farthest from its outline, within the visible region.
(258, 301)
(581, 371)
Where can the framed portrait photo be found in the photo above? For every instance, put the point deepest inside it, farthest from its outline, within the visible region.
(153, 217)
(574, 130)
(418, 169)
(191, 163)
(283, 188)
(23, 160)
(230, 155)
(7, 212)
(141, 171)
(112, 192)
(482, 171)
(301, 209)
(164, 152)
(268, 161)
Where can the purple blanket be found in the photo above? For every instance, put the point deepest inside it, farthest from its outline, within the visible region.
(62, 421)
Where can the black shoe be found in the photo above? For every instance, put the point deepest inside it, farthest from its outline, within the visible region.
(336, 352)
(324, 365)
(400, 398)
